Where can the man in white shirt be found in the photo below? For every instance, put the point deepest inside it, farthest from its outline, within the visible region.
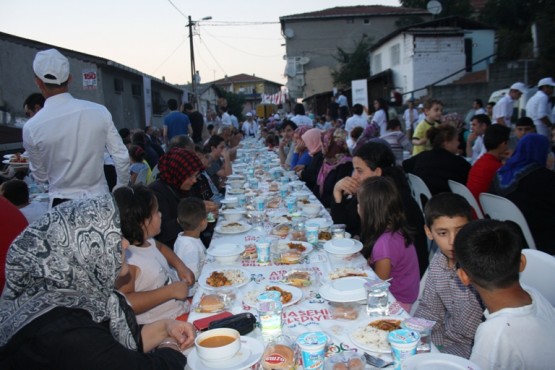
(249, 126)
(475, 147)
(226, 118)
(410, 117)
(357, 119)
(300, 118)
(66, 139)
(503, 109)
(539, 109)
(343, 105)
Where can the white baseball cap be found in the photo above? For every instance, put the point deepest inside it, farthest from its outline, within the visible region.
(51, 66)
(519, 86)
(548, 81)
(249, 114)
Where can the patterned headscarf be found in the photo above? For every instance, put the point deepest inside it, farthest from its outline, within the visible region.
(301, 147)
(529, 155)
(71, 258)
(178, 165)
(313, 140)
(334, 140)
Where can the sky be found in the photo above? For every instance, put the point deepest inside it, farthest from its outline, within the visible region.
(152, 35)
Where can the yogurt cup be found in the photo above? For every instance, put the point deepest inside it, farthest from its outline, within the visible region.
(403, 345)
(312, 346)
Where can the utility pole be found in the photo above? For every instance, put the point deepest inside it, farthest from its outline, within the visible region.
(193, 67)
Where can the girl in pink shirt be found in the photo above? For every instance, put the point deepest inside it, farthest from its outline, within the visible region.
(387, 239)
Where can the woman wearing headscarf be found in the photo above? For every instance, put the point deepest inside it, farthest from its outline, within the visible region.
(60, 309)
(526, 181)
(300, 154)
(312, 139)
(178, 172)
(337, 163)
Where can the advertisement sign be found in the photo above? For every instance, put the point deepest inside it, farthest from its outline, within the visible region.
(89, 79)
(359, 89)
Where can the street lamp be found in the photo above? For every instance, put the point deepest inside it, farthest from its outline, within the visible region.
(194, 74)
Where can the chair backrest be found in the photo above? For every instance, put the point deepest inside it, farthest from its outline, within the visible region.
(462, 190)
(539, 273)
(499, 208)
(154, 174)
(419, 189)
(420, 292)
(142, 177)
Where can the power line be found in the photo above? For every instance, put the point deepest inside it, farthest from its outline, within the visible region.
(176, 8)
(169, 56)
(237, 23)
(209, 52)
(239, 50)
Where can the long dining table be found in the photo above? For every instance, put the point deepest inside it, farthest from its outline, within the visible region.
(309, 311)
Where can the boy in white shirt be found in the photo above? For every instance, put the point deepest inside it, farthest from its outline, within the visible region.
(192, 216)
(520, 322)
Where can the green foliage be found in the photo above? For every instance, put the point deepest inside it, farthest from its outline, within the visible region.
(235, 104)
(352, 66)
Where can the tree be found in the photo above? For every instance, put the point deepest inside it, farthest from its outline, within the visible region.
(234, 102)
(352, 66)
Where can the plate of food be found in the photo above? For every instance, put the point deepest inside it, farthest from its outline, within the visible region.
(281, 230)
(281, 218)
(372, 336)
(299, 278)
(211, 303)
(273, 202)
(343, 246)
(235, 277)
(298, 246)
(233, 227)
(16, 160)
(289, 294)
(325, 236)
(343, 272)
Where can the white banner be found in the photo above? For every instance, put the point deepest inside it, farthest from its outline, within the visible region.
(359, 90)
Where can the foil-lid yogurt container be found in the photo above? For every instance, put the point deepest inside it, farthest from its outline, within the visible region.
(312, 347)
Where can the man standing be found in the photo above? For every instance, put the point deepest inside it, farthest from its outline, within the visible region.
(410, 117)
(249, 127)
(357, 119)
(66, 139)
(538, 107)
(343, 106)
(175, 123)
(503, 110)
(197, 122)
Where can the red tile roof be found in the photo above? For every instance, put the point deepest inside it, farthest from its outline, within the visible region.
(357, 11)
(242, 78)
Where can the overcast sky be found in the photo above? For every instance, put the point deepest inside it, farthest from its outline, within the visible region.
(151, 35)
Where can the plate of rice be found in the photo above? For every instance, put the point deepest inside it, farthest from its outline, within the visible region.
(224, 277)
(372, 336)
(233, 227)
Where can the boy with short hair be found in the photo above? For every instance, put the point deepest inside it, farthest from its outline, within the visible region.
(454, 307)
(433, 109)
(192, 216)
(520, 322)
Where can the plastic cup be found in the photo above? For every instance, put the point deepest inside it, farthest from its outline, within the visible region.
(312, 233)
(263, 252)
(337, 231)
(312, 346)
(403, 345)
(291, 203)
(259, 203)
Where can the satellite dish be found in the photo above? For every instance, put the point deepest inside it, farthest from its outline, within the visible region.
(304, 60)
(289, 33)
(434, 7)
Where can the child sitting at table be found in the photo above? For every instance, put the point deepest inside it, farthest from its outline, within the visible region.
(520, 322)
(154, 290)
(387, 239)
(192, 216)
(137, 168)
(454, 307)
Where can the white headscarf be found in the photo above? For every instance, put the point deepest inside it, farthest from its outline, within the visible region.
(71, 258)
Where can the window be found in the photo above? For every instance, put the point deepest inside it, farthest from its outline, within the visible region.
(136, 90)
(377, 65)
(395, 55)
(118, 85)
(159, 105)
(366, 21)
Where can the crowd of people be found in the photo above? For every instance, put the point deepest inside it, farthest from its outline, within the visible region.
(115, 271)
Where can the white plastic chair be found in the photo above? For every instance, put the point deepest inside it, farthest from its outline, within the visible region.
(502, 209)
(539, 273)
(420, 292)
(419, 188)
(462, 190)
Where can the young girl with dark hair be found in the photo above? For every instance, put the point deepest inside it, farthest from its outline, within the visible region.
(154, 290)
(387, 238)
(137, 168)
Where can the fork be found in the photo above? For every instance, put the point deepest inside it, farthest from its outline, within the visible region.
(375, 361)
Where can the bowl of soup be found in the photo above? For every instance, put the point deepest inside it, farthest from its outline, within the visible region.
(218, 345)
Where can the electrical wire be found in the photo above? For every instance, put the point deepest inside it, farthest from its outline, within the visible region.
(239, 50)
(169, 56)
(176, 8)
(209, 52)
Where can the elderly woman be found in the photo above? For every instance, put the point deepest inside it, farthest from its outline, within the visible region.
(59, 309)
(337, 163)
(312, 139)
(526, 181)
(178, 172)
